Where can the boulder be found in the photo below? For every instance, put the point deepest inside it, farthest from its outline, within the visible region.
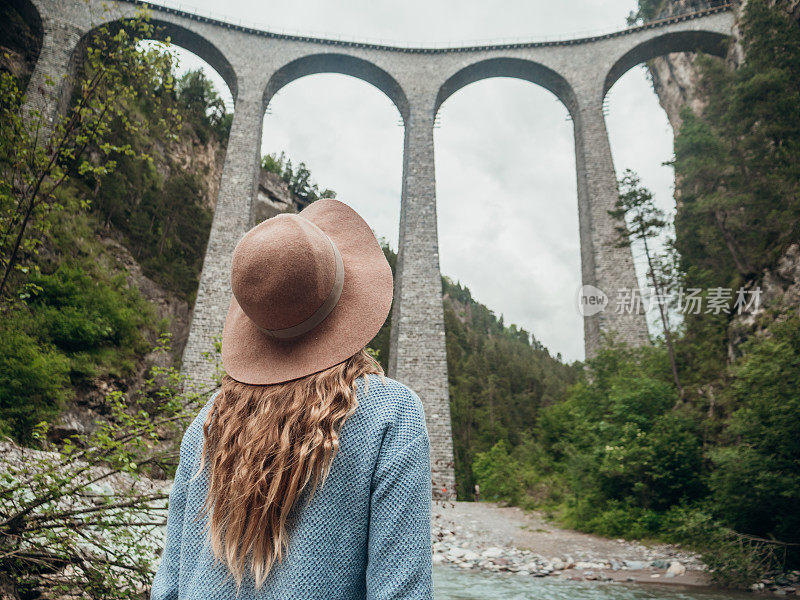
(675, 569)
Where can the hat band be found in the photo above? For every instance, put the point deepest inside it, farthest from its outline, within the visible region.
(322, 312)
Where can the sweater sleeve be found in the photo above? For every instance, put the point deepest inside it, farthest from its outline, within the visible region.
(399, 549)
(165, 584)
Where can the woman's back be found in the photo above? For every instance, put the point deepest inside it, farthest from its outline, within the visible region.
(364, 534)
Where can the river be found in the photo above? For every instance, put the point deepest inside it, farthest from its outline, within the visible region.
(452, 583)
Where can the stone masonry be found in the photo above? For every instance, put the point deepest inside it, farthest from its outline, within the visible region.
(256, 64)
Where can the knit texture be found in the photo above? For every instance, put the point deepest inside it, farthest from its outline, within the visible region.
(365, 534)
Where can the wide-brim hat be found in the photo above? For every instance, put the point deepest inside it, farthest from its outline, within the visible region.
(309, 291)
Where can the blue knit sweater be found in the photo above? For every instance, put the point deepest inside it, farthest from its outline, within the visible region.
(365, 533)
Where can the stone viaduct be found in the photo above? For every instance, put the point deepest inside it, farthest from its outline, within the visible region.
(256, 64)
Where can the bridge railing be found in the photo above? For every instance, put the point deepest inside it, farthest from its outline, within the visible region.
(580, 37)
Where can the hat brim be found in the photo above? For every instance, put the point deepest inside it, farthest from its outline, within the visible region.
(253, 357)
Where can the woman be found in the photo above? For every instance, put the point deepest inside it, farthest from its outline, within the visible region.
(308, 475)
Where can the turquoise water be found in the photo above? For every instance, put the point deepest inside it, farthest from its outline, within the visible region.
(457, 584)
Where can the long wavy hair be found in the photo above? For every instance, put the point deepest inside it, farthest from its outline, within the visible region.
(265, 445)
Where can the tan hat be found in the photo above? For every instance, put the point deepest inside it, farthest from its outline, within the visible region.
(309, 291)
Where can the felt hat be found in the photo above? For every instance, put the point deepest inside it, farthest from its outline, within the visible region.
(309, 291)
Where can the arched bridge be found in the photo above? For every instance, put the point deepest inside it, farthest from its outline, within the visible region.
(256, 64)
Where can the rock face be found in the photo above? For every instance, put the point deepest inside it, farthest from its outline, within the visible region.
(273, 197)
(676, 76)
(675, 80)
(203, 158)
(780, 294)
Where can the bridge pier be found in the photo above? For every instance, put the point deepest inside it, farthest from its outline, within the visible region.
(231, 221)
(50, 85)
(418, 357)
(604, 264)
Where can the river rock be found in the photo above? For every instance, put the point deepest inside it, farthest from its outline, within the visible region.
(492, 552)
(455, 552)
(675, 569)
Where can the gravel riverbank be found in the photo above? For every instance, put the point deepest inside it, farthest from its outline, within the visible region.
(496, 538)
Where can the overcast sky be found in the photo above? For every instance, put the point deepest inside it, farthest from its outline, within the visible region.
(505, 159)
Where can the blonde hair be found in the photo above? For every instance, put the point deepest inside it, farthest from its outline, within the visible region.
(265, 445)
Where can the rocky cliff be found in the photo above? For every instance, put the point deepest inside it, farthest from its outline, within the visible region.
(675, 76)
(676, 81)
(273, 197)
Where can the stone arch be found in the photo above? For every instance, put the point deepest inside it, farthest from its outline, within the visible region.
(509, 67)
(33, 19)
(710, 42)
(343, 64)
(179, 36)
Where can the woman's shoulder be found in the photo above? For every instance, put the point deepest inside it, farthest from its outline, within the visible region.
(385, 393)
(390, 403)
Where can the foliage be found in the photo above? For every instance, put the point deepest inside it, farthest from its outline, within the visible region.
(297, 178)
(34, 381)
(500, 378)
(756, 480)
(75, 320)
(736, 165)
(641, 221)
(80, 321)
(498, 474)
(616, 439)
(79, 519)
(161, 210)
(715, 468)
(37, 159)
(202, 106)
(648, 11)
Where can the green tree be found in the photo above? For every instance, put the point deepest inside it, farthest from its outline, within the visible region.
(642, 221)
(498, 474)
(298, 179)
(116, 71)
(736, 164)
(204, 107)
(756, 480)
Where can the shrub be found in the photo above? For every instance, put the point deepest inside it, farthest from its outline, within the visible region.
(80, 520)
(756, 481)
(498, 474)
(33, 382)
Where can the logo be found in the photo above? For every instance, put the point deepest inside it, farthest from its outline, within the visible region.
(591, 300)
